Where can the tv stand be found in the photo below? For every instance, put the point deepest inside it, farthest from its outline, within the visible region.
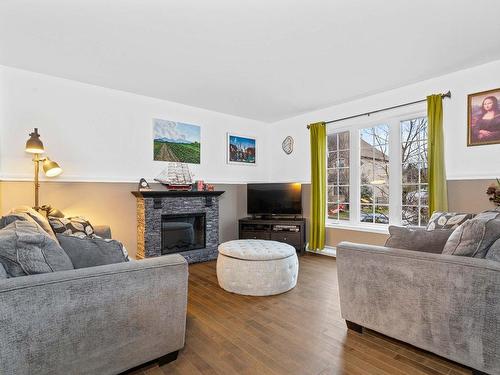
(288, 230)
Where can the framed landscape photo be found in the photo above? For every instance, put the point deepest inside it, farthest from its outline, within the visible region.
(483, 118)
(176, 142)
(241, 149)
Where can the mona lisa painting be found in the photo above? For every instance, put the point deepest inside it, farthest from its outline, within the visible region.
(483, 121)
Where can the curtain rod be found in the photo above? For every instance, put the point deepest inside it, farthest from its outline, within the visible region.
(447, 95)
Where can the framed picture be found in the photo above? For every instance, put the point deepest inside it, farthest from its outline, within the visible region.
(176, 141)
(483, 118)
(241, 149)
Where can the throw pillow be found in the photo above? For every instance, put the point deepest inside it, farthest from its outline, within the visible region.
(92, 251)
(447, 220)
(38, 217)
(26, 249)
(418, 239)
(9, 219)
(475, 236)
(78, 226)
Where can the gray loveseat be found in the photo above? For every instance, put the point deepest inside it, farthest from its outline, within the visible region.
(446, 304)
(98, 320)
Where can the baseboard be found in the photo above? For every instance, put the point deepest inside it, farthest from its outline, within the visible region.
(328, 251)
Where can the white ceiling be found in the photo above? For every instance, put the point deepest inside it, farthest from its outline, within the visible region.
(265, 60)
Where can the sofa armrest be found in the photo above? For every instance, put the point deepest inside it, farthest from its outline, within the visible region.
(98, 320)
(103, 231)
(442, 303)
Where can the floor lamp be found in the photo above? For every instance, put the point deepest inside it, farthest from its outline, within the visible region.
(35, 146)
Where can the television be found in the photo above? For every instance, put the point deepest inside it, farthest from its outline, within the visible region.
(274, 199)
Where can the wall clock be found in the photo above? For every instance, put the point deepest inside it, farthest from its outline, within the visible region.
(287, 145)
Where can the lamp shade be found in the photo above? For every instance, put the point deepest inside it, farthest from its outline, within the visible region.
(51, 168)
(34, 145)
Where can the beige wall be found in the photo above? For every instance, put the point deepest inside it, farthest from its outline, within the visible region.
(334, 236)
(113, 204)
(469, 195)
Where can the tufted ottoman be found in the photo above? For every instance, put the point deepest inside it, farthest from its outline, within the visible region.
(257, 267)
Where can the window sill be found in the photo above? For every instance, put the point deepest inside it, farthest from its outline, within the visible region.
(382, 229)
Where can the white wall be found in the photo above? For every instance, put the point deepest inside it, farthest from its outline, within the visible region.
(99, 134)
(462, 162)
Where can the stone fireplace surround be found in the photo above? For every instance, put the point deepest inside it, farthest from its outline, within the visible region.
(151, 205)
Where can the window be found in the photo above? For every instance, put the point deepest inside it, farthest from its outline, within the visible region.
(390, 184)
(338, 176)
(374, 174)
(414, 198)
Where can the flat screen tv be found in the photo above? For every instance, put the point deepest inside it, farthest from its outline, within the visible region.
(274, 199)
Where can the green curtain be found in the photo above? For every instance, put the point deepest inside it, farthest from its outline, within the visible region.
(438, 195)
(318, 186)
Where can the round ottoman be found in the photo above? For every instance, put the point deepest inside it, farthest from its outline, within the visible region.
(257, 267)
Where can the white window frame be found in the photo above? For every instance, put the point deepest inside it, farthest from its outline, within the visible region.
(354, 126)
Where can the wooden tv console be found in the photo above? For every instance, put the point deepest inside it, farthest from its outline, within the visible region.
(290, 231)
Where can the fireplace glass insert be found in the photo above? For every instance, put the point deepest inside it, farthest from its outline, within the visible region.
(182, 232)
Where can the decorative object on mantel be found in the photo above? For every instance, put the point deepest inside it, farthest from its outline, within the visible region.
(494, 193)
(176, 141)
(287, 145)
(143, 185)
(198, 185)
(210, 187)
(483, 118)
(241, 150)
(176, 176)
(35, 146)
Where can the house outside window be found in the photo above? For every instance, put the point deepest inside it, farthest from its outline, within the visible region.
(338, 175)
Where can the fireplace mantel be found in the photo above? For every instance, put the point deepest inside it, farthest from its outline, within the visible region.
(167, 193)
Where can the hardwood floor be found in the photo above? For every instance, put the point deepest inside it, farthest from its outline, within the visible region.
(299, 332)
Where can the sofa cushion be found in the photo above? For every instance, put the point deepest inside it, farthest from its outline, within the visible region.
(92, 251)
(26, 249)
(418, 239)
(10, 218)
(71, 225)
(494, 251)
(474, 237)
(3, 273)
(447, 220)
(38, 217)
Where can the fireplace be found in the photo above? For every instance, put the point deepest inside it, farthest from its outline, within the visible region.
(183, 232)
(184, 222)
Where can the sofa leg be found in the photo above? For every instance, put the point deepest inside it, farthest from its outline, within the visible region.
(354, 326)
(170, 357)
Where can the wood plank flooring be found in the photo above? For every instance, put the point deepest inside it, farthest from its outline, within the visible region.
(299, 332)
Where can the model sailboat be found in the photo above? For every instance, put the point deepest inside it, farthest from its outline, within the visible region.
(176, 176)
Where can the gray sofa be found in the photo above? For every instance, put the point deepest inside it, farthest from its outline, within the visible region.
(97, 320)
(446, 304)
